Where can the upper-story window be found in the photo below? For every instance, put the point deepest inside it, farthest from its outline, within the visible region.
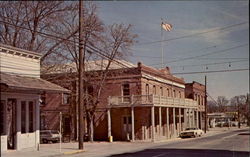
(174, 93)
(66, 99)
(125, 89)
(198, 100)
(161, 89)
(168, 93)
(154, 90)
(147, 89)
(180, 94)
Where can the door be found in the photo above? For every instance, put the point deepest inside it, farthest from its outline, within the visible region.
(11, 123)
(127, 128)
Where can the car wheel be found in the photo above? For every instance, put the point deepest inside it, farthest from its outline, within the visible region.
(45, 141)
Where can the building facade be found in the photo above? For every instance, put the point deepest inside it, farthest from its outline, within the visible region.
(196, 91)
(21, 87)
(140, 103)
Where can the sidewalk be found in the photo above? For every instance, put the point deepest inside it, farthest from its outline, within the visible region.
(97, 148)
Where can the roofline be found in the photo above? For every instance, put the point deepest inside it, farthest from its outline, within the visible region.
(19, 50)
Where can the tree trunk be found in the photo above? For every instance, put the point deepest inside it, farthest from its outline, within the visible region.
(91, 129)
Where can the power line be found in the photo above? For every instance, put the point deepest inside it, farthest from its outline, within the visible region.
(101, 53)
(206, 54)
(195, 34)
(216, 63)
(215, 71)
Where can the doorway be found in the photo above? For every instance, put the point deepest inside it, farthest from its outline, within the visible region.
(126, 128)
(11, 123)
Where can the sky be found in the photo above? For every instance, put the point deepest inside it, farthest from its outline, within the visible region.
(224, 47)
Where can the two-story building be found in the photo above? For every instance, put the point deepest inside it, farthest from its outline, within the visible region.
(139, 103)
(196, 91)
(21, 86)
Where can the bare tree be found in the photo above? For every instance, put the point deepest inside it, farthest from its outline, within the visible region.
(241, 105)
(25, 23)
(222, 103)
(212, 107)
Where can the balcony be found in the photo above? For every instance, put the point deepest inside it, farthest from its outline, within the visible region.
(151, 100)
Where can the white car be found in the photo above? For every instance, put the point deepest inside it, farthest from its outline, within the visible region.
(191, 132)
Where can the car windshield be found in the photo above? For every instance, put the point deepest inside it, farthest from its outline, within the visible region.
(191, 129)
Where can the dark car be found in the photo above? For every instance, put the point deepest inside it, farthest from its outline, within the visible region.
(47, 136)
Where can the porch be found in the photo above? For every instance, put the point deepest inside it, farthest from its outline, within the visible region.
(150, 117)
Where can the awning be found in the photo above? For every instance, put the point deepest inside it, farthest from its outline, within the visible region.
(13, 82)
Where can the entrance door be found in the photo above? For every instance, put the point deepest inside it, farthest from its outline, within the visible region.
(11, 123)
(127, 128)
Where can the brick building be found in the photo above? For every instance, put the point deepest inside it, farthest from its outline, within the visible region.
(137, 103)
(196, 91)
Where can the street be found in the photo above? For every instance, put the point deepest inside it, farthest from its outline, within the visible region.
(219, 142)
(231, 144)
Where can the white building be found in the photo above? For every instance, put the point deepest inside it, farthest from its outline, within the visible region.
(20, 87)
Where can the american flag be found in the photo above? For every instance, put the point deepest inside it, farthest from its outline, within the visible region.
(166, 26)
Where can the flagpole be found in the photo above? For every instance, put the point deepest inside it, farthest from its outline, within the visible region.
(162, 46)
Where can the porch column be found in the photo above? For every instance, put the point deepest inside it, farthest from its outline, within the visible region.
(37, 123)
(197, 119)
(174, 121)
(153, 122)
(18, 125)
(201, 120)
(189, 118)
(133, 123)
(160, 121)
(179, 120)
(193, 124)
(167, 114)
(109, 123)
(185, 118)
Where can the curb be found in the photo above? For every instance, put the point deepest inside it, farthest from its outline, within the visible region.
(74, 152)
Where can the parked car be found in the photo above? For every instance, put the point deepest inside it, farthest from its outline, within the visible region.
(191, 132)
(47, 136)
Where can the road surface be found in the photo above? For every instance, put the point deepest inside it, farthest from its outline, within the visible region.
(229, 144)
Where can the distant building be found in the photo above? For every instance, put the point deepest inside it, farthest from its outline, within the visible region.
(137, 102)
(21, 87)
(196, 91)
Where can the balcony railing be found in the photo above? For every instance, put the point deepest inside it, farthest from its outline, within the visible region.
(140, 100)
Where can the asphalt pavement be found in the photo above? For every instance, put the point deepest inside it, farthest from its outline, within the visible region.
(228, 144)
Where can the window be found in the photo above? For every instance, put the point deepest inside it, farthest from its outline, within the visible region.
(147, 89)
(2, 115)
(161, 89)
(154, 90)
(23, 117)
(180, 94)
(42, 122)
(66, 99)
(31, 118)
(125, 90)
(168, 93)
(198, 100)
(43, 99)
(66, 125)
(174, 93)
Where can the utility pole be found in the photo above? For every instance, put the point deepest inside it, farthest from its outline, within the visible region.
(205, 103)
(80, 78)
(238, 115)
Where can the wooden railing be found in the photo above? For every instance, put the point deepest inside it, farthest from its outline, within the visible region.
(140, 100)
